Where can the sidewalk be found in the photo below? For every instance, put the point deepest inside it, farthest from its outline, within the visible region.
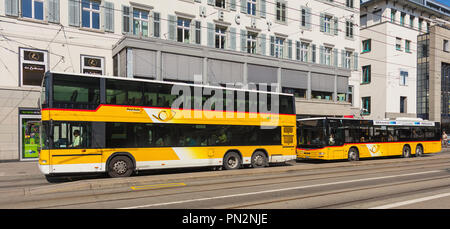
(12, 171)
(30, 168)
(23, 169)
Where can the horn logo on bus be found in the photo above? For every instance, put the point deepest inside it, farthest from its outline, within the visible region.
(164, 116)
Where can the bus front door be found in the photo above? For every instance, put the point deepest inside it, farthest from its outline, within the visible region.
(71, 149)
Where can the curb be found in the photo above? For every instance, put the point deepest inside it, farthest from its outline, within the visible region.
(110, 183)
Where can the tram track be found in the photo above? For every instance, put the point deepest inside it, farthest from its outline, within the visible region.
(95, 197)
(348, 191)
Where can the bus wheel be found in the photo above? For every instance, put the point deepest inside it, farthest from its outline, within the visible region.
(419, 151)
(231, 161)
(353, 154)
(120, 166)
(259, 160)
(406, 151)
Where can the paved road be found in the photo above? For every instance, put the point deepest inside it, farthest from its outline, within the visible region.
(381, 183)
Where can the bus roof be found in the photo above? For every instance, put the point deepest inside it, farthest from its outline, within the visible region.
(166, 82)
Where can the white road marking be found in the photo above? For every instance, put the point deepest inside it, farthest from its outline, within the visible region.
(394, 205)
(278, 190)
(156, 186)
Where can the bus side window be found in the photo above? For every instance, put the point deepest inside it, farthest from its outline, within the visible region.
(392, 137)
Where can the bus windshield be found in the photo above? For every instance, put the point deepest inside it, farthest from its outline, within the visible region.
(311, 134)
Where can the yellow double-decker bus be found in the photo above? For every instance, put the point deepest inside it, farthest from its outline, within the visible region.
(118, 126)
(352, 139)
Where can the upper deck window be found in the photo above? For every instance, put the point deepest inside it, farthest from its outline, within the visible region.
(74, 92)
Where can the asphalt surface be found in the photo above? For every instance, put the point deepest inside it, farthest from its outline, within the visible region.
(376, 183)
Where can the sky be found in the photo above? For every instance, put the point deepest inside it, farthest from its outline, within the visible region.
(446, 2)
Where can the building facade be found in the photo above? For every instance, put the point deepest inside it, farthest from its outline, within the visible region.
(389, 71)
(433, 66)
(308, 48)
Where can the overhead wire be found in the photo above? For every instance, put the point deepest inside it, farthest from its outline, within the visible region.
(267, 39)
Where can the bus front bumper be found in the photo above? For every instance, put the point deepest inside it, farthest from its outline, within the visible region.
(310, 155)
(45, 169)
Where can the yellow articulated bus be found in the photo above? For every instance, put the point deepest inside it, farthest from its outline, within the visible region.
(117, 126)
(352, 139)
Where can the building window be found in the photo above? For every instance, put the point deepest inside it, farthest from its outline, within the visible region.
(350, 95)
(349, 29)
(220, 3)
(403, 78)
(126, 19)
(327, 23)
(348, 59)
(303, 21)
(251, 42)
(393, 13)
(398, 44)
(313, 53)
(349, 3)
(328, 52)
(198, 30)
(183, 30)
(156, 24)
(365, 105)
(420, 24)
(321, 95)
(279, 47)
(403, 104)
(90, 14)
(298, 93)
(251, 7)
(33, 9)
(140, 22)
(92, 65)
(366, 77)
(342, 97)
(411, 21)
(402, 19)
(407, 46)
(446, 47)
(363, 20)
(304, 49)
(220, 37)
(367, 45)
(377, 15)
(281, 11)
(34, 64)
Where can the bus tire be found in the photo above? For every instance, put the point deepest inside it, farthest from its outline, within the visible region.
(56, 179)
(406, 152)
(419, 151)
(232, 161)
(259, 160)
(353, 154)
(120, 166)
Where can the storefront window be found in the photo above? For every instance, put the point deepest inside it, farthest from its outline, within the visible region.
(30, 135)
